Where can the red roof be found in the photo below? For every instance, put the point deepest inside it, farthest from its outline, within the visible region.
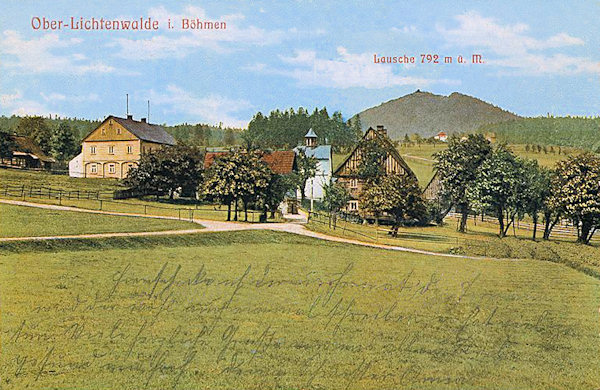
(441, 134)
(281, 161)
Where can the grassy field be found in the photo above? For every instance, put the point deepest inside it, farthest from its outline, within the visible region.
(259, 310)
(18, 177)
(21, 221)
(481, 239)
(420, 158)
(148, 205)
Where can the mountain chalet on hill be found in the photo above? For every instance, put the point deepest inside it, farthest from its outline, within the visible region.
(347, 173)
(116, 146)
(314, 189)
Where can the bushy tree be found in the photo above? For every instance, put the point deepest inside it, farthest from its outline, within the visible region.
(373, 153)
(457, 167)
(237, 177)
(36, 128)
(7, 144)
(536, 191)
(397, 195)
(63, 144)
(499, 186)
(279, 186)
(576, 191)
(167, 171)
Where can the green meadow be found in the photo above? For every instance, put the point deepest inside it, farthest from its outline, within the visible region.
(258, 310)
(22, 221)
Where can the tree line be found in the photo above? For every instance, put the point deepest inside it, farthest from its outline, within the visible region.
(61, 137)
(286, 129)
(475, 177)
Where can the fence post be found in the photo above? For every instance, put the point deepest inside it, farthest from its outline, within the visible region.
(179, 214)
(100, 204)
(23, 191)
(145, 207)
(60, 197)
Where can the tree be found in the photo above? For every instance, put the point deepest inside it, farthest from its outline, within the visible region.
(307, 168)
(537, 192)
(372, 198)
(336, 197)
(229, 137)
(36, 128)
(166, 171)
(237, 177)
(576, 192)
(457, 167)
(373, 153)
(277, 189)
(395, 194)
(63, 144)
(254, 177)
(405, 201)
(7, 145)
(500, 185)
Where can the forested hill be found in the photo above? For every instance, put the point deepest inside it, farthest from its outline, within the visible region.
(577, 132)
(427, 114)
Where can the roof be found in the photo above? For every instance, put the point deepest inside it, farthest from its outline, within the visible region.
(27, 146)
(441, 133)
(142, 130)
(311, 134)
(322, 152)
(390, 147)
(146, 131)
(281, 161)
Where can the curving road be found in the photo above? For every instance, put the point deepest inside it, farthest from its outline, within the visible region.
(211, 227)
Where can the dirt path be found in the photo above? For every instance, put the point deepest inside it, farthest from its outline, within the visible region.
(210, 227)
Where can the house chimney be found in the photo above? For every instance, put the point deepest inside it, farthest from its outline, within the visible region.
(129, 116)
(381, 129)
(143, 120)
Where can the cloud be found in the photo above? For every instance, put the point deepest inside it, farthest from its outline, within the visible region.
(347, 70)
(180, 43)
(515, 48)
(36, 55)
(404, 29)
(211, 108)
(16, 104)
(58, 97)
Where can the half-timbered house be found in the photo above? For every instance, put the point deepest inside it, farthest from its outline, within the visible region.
(347, 173)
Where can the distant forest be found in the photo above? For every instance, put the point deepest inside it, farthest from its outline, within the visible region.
(579, 132)
(194, 134)
(286, 129)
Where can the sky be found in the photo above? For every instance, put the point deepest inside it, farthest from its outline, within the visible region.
(539, 57)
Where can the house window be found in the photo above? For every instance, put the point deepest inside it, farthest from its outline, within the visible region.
(118, 130)
(111, 150)
(353, 183)
(353, 205)
(129, 149)
(103, 131)
(94, 168)
(92, 149)
(111, 168)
